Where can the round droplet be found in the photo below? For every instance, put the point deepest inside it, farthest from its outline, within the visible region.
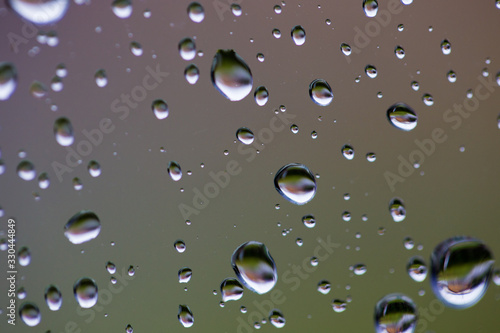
(260, 57)
(231, 75)
(94, 168)
(276, 318)
(82, 227)
(402, 117)
(53, 298)
(371, 157)
(26, 170)
(122, 8)
(56, 84)
(277, 9)
(196, 12)
(397, 210)
(298, 35)
(408, 243)
(276, 33)
(371, 71)
(61, 70)
(400, 52)
(231, 290)
(359, 269)
(185, 316)
(245, 135)
(185, 274)
(309, 221)
(85, 291)
(38, 89)
(324, 287)
(428, 99)
(296, 183)
(348, 152)
(174, 170)
(192, 74)
(401, 27)
(131, 271)
(446, 47)
(43, 180)
(187, 49)
(24, 256)
(136, 49)
(236, 9)
(346, 49)
(110, 267)
(261, 96)
(461, 269)
(101, 78)
(295, 129)
(255, 267)
(63, 131)
(8, 80)
(40, 11)
(30, 314)
(160, 109)
(395, 313)
(339, 305)
(180, 246)
(452, 76)
(415, 86)
(320, 92)
(299, 242)
(77, 184)
(417, 269)
(370, 7)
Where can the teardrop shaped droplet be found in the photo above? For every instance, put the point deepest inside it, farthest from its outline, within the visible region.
(231, 75)
(395, 313)
(185, 316)
(245, 135)
(8, 80)
(85, 291)
(185, 274)
(82, 227)
(160, 109)
(370, 7)
(40, 11)
(255, 267)
(397, 210)
(30, 314)
(298, 35)
(231, 290)
(187, 49)
(174, 170)
(296, 183)
(417, 269)
(261, 95)
(63, 131)
(402, 117)
(320, 92)
(196, 12)
(53, 298)
(276, 318)
(461, 269)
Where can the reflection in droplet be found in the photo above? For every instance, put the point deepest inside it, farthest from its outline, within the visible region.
(324, 287)
(122, 8)
(428, 99)
(397, 210)
(94, 168)
(30, 314)
(395, 313)
(192, 74)
(85, 291)
(40, 11)
(8, 80)
(261, 95)
(38, 89)
(452, 76)
(231, 75)
(296, 183)
(400, 52)
(245, 135)
(309, 221)
(231, 290)
(298, 35)
(63, 130)
(236, 9)
(461, 269)
(370, 7)
(26, 170)
(101, 78)
(111, 267)
(174, 170)
(184, 275)
(185, 316)
(187, 49)
(24, 256)
(348, 152)
(82, 227)
(320, 92)
(417, 269)
(371, 71)
(359, 269)
(402, 117)
(339, 305)
(255, 267)
(446, 47)
(196, 12)
(276, 318)
(53, 298)
(346, 49)
(160, 109)
(180, 246)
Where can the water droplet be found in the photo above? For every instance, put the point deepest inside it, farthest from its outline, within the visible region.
(359, 269)
(192, 74)
(371, 157)
(40, 11)
(82, 227)
(296, 183)
(461, 269)
(77, 184)
(277, 9)
(428, 99)
(174, 170)
(346, 49)
(26, 170)
(24, 256)
(131, 271)
(261, 95)
(85, 291)
(53, 298)
(446, 47)
(260, 57)
(56, 84)
(187, 49)
(402, 117)
(255, 267)
(276, 318)
(43, 180)
(417, 269)
(309, 221)
(320, 92)
(21, 293)
(8, 80)
(400, 52)
(452, 76)
(231, 290)
(276, 33)
(136, 49)
(100, 78)
(397, 210)
(370, 7)
(38, 89)
(245, 136)
(324, 287)
(231, 75)
(185, 274)
(295, 129)
(129, 329)
(408, 243)
(339, 305)
(63, 131)
(94, 168)
(496, 277)
(122, 8)
(196, 12)
(371, 71)
(348, 152)
(30, 314)
(110, 267)
(185, 316)
(236, 9)
(160, 109)
(401, 27)
(415, 86)
(180, 246)
(497, 4)
(395, 313)
(298, 35)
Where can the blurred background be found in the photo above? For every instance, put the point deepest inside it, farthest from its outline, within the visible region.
(451, 191)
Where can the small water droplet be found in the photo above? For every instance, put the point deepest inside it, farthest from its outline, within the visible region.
(346, 49)
(160, 109)
(261, 95)
(136, 49)
(180, 246)
(371, 157)
(38, 89)
(452, 76)
(397, 210)
(400, 52)
(348, 152)
(446, 47)
(187, 49)
(276, 318)
(415, 86)
(428, 99)
(402, 117)
(185, 274)
(8, 80)
(324, 287)
(196, 12)
(26, 170)
(339, 305)
(309, 221)
(417, 269)
(85, 291)
(63, 131)
(192, 74)
(359, 269)
(245, 135)
(408, 243)
(111, 267)
(174, 170)
(236, 9)
(24, 256)
(371, 71)
(100, 78)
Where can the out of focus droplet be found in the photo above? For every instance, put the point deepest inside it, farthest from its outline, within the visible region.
(63, 131)
(8, 80)
(40, 11)
(101, 78)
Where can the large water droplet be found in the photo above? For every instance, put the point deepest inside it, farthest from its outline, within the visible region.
(53, 298)
(417, 269)
(185, 316)
(245, 135)
(255, 267)
(296, 183)
(231, 75)
(26, 170)
(276, 318)
(185, 274)
(174, 170)
(8, 80)
(40, 11)
(30, 314)
(460, 271)
(298, 35)
(85, 291)
(63, 130)
(397, 210)
(261, 95)
(395, 313)
(320, 92)
(122, 8)
(402, 117)
(196, 12)
(82, 227)
(187, 49)
(160, 109)
(370, 7)
(231, 290)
